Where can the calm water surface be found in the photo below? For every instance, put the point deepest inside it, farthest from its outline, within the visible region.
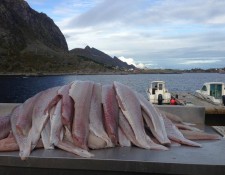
(16, 89)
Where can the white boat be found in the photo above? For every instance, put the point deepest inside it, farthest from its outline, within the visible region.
(213, 92)
(157, 93)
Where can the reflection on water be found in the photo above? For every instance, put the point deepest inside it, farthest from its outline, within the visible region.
(15, 89)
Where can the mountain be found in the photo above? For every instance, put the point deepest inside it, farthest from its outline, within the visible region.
(21, 26)
(100, 57)
(30, 42)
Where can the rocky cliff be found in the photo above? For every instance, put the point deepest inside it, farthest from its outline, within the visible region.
(30, 42)
(21, 26)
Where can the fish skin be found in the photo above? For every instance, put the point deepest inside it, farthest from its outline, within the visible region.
(110, 112)
(68, 146)
(155, 146)
(67, 105)
(20, 138)
(154, 139)
(46, 132)
(5, 126)
(196, 135)
(56, 124)
(45, 135)
(154, 120)
(127, 129)
(131, 108)
(81, 92)
(174, 144)
(96, 117)
(123, 140)
(24, 120)
(175, 135)
(40, 116)
(129, 133)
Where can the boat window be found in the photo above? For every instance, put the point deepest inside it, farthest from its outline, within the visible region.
(204, 88)
(160, 86)
(216, 90)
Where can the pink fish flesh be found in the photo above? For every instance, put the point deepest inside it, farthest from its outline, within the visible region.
(175, 135)
(110, 112)
(81, 92)
(67, 105)
(96, 124)
(131, 108)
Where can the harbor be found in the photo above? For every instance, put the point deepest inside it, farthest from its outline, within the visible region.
(127, 160)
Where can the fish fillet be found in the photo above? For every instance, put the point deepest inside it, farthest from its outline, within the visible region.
(127, 129)
(131, 109)
(186, 127)
(56, 134)
(40, 115)
(154, 120)
(81, 92)
(110, 112)
(20, 138)
(67, 105)
(95, 117)
(196, 135)
(128, 132)
(8, 144)
(175, 135)
(5, 126)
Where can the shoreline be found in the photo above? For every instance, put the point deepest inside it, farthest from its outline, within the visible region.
(89, 73)
(86, 73)
(81, 73)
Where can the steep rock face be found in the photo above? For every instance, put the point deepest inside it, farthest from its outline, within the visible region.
(21, 26)
(100, 57)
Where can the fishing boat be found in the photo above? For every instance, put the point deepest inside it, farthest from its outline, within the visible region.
(213, 92)
(157, 93)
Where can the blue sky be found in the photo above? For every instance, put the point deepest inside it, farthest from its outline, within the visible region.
(152, 33)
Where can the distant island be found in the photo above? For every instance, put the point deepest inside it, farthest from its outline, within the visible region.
(32, 44)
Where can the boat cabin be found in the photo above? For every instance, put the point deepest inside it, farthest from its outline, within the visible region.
(213, 91)
(157, 91)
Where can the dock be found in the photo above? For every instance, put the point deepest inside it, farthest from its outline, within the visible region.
(214, 114)
(190, 99)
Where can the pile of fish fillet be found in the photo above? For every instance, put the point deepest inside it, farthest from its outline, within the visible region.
(83, 115)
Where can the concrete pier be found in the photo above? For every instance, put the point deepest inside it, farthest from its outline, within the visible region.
(189, 99)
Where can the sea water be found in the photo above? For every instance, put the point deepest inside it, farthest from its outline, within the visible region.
(16, 89)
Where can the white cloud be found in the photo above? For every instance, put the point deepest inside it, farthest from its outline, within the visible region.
(163, 31)
(131, 61)
(188, 62)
